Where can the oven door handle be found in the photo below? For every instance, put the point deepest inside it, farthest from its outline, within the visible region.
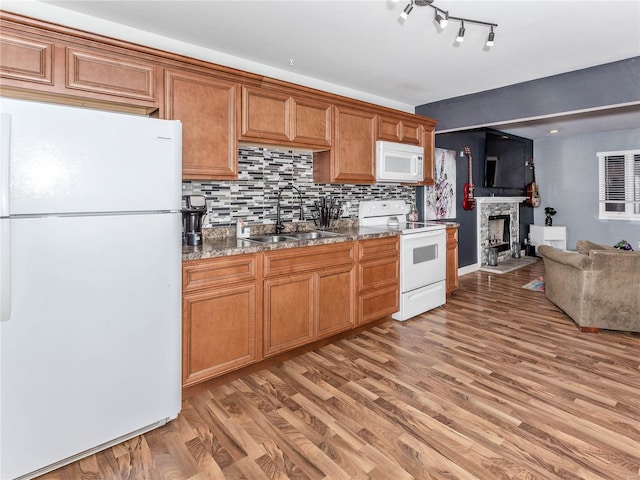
(431, 233)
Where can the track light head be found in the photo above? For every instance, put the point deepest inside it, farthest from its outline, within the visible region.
(460, 37)
(407, 10)
(490, 38)
(442, 21)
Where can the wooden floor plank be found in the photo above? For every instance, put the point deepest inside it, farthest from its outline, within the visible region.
(497, 384)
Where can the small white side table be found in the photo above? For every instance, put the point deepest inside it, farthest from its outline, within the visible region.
(543, 235)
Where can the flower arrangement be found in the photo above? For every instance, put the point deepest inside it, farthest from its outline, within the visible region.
(549, 212)
(623, 245)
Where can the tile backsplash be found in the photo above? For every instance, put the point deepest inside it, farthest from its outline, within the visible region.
(264, 171)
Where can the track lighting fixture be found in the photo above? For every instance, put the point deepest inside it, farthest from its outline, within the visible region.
(460, 37)
(407, 10)
(442, 18)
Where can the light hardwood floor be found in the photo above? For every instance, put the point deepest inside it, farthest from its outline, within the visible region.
(497, 384)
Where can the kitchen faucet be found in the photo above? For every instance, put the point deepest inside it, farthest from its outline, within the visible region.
(279, 224)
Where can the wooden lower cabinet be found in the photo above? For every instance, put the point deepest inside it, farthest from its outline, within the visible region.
(220, 316)
(452, 259)
(241, 309)
(378, 278)
(335, 303)
(308, 295)
(288, 312)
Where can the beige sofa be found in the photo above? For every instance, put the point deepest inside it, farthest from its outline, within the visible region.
(598, 286)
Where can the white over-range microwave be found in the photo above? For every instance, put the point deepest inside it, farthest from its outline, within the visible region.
(400, 163)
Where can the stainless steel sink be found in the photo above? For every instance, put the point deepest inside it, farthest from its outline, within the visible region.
(272, 239)
(293, 237)
(314, 235)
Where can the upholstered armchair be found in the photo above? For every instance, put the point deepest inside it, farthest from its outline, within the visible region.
(598, 286)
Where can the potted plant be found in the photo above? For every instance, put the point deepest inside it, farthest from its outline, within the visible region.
(549, 212)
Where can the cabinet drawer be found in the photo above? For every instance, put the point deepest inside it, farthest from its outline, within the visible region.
(378, 273)
(97, 72)
(304, 259)
(378, 303)
(378, 247)
(216, 272)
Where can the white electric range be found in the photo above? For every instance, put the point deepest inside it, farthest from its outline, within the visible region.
(423, 254)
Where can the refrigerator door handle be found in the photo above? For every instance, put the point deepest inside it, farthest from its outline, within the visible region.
(5, 223)
(5, 154)
(5, 269)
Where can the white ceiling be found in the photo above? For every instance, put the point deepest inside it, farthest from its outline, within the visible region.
(364, 47)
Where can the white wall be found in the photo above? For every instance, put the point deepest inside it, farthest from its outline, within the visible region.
(567, 176)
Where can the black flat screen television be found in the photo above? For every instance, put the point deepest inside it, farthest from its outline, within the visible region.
(505, 161)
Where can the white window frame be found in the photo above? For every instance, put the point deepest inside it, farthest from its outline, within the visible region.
(631, 200)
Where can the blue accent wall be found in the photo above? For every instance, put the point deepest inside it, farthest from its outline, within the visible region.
(566, 167)
(609, 84)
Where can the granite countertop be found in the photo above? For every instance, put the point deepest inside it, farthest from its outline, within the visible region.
(220, 246)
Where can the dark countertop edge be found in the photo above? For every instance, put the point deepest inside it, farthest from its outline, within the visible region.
(236, 246)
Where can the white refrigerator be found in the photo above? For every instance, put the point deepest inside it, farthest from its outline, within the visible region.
(90, 281)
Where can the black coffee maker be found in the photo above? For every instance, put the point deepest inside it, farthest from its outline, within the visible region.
(195, 208)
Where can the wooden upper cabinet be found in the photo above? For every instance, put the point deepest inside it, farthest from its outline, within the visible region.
(265, 114)
(25, 59)
(428, 140)
(352, 158)
(43, 67)
(311, 122)
(397, 130)
(100, 72)
(206, 107)
(278, 117)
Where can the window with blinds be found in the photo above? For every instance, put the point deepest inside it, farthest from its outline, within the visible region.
(619, 184)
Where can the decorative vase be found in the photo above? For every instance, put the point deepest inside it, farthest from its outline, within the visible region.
(548, 221)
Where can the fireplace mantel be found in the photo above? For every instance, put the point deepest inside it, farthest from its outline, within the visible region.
(500, 199)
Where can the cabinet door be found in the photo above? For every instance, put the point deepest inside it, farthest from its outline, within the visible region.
(354, 149)
(311, 122)
(206, 107)
(396, 130)
(452, 259)
(99, 72)
(389, 129)
(289, 312)
(219, 331)
(25, 59)
(336, 295)
(411, 132)
(352, 157)
(428, 138)
(265, 114)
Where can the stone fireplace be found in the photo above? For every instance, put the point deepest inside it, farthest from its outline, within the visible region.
(498, 225)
